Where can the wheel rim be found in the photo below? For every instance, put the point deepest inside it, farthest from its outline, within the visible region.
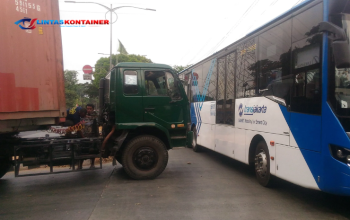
(261, 164)
(145, 158)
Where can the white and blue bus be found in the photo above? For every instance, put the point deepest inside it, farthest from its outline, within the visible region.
(279, 98)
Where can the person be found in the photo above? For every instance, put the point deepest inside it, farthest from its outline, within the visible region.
(90, 108)
(74, 115)
(91, 130)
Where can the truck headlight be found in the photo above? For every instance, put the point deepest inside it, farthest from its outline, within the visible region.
(341, 154)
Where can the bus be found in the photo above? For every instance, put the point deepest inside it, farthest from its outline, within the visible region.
(279, 98)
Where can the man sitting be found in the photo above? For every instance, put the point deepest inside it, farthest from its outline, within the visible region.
(74, 115)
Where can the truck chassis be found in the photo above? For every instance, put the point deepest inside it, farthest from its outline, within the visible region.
(55, 152)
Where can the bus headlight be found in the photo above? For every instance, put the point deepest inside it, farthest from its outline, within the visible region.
(341, 154)
(348, 159)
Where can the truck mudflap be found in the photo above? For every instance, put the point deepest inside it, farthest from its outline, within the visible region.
(56, 152)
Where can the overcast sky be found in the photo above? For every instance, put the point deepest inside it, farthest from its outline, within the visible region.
(179, 32)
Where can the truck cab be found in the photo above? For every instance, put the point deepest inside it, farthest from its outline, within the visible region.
(145, 112)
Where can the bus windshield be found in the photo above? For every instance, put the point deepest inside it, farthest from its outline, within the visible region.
(342, 80)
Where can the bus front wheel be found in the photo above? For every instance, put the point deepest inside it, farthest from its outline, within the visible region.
(262, 165)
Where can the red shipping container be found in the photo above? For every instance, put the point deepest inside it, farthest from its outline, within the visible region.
(31, 66)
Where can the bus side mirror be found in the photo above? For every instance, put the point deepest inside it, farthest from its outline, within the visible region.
(340, 44)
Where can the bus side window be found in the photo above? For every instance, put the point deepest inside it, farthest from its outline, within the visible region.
(246, 70)
(306, 54)
(275, 62)
(220, 102)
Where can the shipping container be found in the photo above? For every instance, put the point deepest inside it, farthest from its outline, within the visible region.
(31, 66)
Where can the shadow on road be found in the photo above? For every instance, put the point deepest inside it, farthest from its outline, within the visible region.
(318, 199)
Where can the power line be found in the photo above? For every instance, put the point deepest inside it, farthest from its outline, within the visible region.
(235, 25)
(231, 29)
(272, 4)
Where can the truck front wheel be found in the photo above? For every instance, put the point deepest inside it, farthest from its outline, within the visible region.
(5, 165)
(145, 157)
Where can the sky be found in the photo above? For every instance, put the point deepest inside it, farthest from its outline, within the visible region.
(178, 33)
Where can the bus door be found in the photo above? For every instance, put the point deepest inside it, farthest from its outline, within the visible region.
(225, 132)
(305, 118)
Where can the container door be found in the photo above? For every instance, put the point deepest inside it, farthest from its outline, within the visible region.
(162, 100)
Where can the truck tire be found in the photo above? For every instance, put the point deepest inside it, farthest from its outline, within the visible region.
(262, 165)
(145, 157)
(4, 166)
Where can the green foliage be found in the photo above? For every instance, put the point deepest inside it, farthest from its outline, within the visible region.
(70, 86)
(178, 69)
(102, 65)
(76, 93)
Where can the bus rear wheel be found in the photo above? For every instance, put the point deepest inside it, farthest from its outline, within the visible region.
(4, 166)
(145, 157)
(262, 165)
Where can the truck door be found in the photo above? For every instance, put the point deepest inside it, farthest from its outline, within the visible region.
(129, 101)
(162, 101)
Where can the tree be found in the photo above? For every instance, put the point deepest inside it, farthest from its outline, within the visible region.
(178, 69)
(70, 86)
(102, 65)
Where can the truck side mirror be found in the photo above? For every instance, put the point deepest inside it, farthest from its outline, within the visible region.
(340, 44)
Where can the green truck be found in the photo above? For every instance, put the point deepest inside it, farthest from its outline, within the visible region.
(143, 111)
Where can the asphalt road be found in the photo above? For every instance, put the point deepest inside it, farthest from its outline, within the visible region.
(193, 186)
